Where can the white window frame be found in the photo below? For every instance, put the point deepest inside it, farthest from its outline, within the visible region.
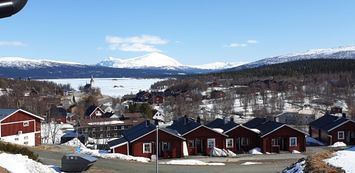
(26, 123)
(295, 140)
(229, 140)
(149, 148)
(192, 142)
(275, 142)
(211, 140)
(343, 133)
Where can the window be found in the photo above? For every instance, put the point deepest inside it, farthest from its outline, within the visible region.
(108, 128)
(293, 141)
(101, 128)
(211, 142)
(122, 127)
(229, 143)
(190, 143)
(93, 129)
(115, 128)
(108, 135)
(147, 148)
(16, 139)
(26, 143)
(244, 141)
(341, 135)
(275, 142)
(25, 138)
(93, 135)
(19, 132)
(101, 135)
(26, 124)
(115, 135)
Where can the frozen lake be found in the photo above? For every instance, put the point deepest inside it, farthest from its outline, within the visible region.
(114, 87)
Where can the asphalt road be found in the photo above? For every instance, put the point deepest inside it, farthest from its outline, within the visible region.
(272, 165)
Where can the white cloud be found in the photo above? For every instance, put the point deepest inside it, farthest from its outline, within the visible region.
(237, 45)
(12, 43)
(245, 44)
(252, 41)
(143, 43)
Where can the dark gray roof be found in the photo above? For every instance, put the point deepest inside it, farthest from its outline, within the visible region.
(5, 112)
(117, 142)
(222, 124)
(328, 122)
(184, 125)
(263, 125)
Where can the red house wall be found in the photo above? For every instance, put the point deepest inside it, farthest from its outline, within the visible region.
(18, 116)
(136, 148)
(240, 132)
(121, 149)
(284, 132)
(348, 128)
(204, 133)
(12, 129)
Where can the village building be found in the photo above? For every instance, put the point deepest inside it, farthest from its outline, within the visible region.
(20, 127)
(330, 129)
(276, 137)
(140, 140)
(200, 138)
(240, 139)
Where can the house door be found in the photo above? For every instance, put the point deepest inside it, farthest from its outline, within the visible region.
(238, 144)
(199, 146)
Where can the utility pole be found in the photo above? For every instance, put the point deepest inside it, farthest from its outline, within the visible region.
(157, 149)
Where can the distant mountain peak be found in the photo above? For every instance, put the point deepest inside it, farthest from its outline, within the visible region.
(151, 60)
(25, 63)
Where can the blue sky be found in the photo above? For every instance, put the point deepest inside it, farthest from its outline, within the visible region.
(191, 31)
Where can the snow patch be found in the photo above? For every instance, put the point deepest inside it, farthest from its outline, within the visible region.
(251, 163)
(295, 152)
(191, 162)
(17, 163)
(344, 159)
(256, 150)
(338, 144)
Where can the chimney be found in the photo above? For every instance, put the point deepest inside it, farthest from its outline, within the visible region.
(147, 123)
(198, 119)
(225, 120)
(344, 115)
(231, 119)
(185, 119)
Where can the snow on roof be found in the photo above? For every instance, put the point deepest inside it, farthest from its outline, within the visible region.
(256, 131)
(106, 122)
(218, 130)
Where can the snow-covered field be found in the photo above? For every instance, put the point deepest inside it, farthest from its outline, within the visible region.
(17, 163)
(344, 159)
(113, 87)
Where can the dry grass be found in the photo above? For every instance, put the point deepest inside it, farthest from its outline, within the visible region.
(315, 163)
(3, 170)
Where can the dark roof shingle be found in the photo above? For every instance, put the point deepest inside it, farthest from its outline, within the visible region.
(222, 124)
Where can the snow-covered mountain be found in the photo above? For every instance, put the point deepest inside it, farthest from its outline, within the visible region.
(158, 60)
(152, 60)
(347, 52)
(25, 63)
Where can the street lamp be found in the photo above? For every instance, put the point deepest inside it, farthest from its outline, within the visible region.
(11, 7)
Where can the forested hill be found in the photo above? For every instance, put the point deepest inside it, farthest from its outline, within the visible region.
(295, 68)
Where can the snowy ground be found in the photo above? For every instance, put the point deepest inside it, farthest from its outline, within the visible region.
(113, 87)
(191, 162)
(344, 159)
(17, 163)
(297, 167)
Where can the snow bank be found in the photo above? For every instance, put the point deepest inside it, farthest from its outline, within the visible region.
(311, 141)
(231, 153)
(17, 163)
(191, 162)
(338, 144)
(106, 155)
(296, 168)
(344, 159)
(251, 163)
(216, 152)
(255, 151)
(295, 152)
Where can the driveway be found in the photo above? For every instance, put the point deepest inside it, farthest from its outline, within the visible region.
(269, 164)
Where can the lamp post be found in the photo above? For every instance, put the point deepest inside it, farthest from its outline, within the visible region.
(157, 149)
